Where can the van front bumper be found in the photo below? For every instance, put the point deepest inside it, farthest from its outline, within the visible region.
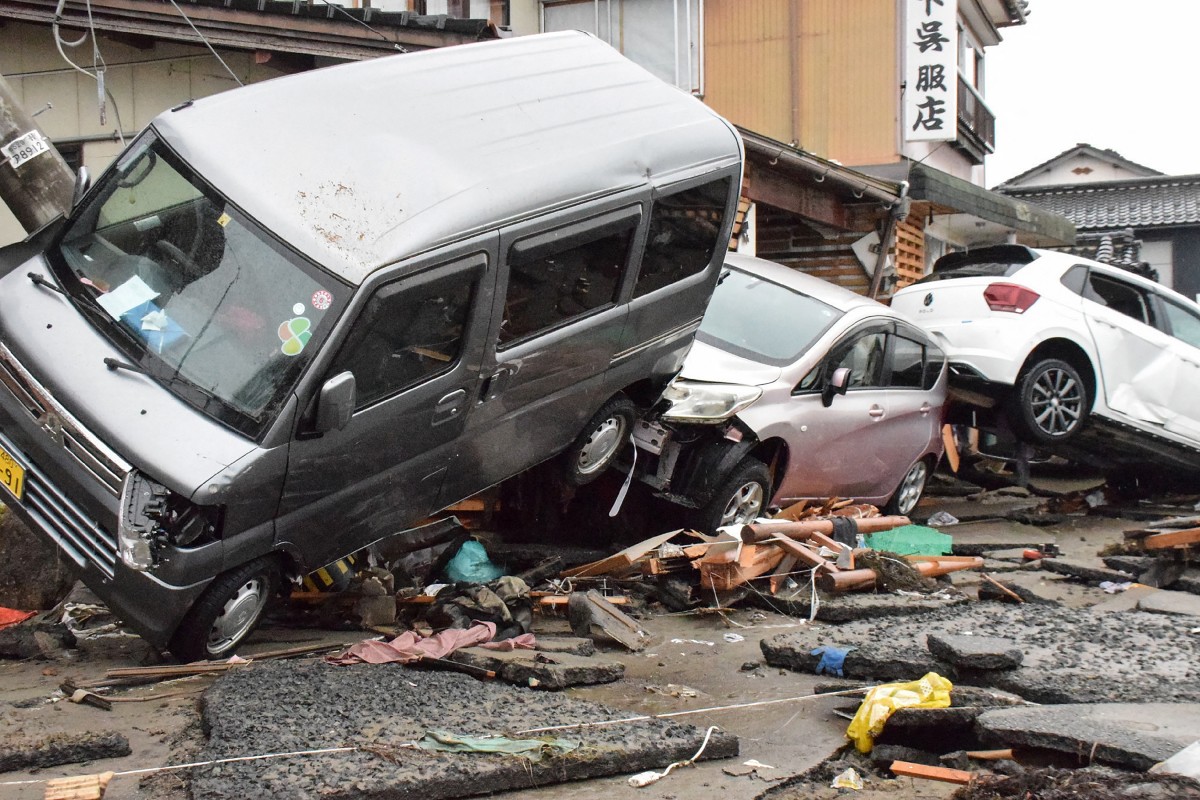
(148, 605)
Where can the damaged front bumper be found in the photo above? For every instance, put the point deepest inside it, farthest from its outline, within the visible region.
(685, 464)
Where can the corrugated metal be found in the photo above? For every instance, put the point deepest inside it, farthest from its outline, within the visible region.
(749, 74)
(821, 73)
(848, 82)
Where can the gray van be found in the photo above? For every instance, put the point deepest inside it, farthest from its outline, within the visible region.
(298, 317)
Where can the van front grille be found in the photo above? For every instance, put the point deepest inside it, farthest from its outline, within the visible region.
(57, 423)
(79, 536)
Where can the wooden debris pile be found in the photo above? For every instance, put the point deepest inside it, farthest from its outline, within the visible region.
(819, 541)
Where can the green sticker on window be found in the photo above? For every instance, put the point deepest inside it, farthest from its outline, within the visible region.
(295, 334)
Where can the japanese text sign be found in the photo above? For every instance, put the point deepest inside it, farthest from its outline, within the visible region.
(931, 70)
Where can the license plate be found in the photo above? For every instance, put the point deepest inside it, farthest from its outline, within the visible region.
(12, 475)
(23, 148)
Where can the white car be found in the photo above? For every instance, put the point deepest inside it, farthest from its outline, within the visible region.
(1055, 340)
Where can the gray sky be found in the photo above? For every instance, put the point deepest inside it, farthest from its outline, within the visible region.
(1116, 74)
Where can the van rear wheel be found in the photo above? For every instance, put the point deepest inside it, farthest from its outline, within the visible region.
(602, 438)
(228, 611)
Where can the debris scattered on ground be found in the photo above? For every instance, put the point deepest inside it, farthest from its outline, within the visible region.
(1092, 783)
(1069, 655)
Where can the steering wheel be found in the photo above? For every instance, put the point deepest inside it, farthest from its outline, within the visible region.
(186, 264)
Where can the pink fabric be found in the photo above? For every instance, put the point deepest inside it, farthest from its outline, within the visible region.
(526, 641)
(410, 646)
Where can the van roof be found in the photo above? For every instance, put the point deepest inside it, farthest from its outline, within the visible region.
(361, 165)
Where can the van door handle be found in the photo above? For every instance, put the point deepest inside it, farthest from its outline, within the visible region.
(876, 412)
(450, 406)
(494, 384)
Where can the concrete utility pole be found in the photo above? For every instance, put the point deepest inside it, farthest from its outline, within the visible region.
(35, 182)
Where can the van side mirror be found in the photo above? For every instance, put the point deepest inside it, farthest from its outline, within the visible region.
(838, 381)
(83, 181)
(335, 403)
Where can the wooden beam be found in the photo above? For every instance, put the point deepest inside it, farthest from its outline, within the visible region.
(944, 774)
(1162, 541)
(810, 201)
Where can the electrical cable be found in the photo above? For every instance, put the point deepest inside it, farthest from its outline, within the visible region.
(211, 49)
(378, 33)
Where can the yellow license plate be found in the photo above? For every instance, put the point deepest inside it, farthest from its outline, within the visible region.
(12, 474)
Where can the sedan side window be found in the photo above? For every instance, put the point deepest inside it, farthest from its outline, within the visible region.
(409, 330)
(1119, 296)
(865, 360)
(1185, 324)
(908, 363)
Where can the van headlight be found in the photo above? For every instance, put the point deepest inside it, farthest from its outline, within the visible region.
(153, 516)
(707, 403)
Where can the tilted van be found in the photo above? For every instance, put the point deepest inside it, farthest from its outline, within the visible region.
(298, 317)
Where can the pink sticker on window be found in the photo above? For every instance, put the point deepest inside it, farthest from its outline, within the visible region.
(321, 300)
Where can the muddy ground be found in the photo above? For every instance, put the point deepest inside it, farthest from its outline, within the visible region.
(696, 660)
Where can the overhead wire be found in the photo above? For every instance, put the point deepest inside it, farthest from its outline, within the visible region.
(401, 48)
(204, 39)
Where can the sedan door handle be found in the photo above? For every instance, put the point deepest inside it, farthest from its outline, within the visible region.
(925, 409)
(876, 412)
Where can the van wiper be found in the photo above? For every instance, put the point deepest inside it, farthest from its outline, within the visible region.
(40, 279)
(115, 364)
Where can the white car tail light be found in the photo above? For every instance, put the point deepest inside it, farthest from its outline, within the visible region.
(1009, 297)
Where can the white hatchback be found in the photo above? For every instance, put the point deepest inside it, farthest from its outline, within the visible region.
(1055, 340)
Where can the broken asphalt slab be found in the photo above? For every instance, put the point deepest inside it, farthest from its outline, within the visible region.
(539, 670)
(859, 605)
(1129, 735)
(1164, 601)
(979, 538)
(975, 652)
(382, 709)
(61, 748)
(1070, 655)
(1086, 572)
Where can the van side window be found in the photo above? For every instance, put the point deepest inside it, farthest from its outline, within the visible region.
(685, 228)
(549, 284)
(407, 332)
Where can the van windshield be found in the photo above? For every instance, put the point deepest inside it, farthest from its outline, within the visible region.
(194, 292)
(761, 320)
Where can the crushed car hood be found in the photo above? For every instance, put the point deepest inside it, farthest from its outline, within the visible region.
(713, 365)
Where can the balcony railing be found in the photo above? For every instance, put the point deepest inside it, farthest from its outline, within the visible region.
(976, 123)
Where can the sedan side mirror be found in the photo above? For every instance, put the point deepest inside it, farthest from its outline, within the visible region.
(838, 381)
(335, 403)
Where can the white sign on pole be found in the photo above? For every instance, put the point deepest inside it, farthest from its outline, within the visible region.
(931, 71)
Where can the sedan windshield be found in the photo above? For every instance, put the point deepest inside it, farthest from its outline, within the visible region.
(195, 293)
(757, 319)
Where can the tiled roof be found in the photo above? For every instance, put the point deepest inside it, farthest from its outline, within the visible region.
(1135, 203)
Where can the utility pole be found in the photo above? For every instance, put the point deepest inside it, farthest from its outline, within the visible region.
(35, 182)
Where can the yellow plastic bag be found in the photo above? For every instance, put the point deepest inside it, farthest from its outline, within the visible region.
(931, 691)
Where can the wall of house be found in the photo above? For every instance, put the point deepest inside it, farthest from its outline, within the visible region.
(821, 73)
(1186, 262)
(1079, 168)
(143, 83)
(1160, 254)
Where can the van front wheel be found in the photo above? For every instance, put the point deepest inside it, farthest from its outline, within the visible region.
(227, 612)
(602, 438)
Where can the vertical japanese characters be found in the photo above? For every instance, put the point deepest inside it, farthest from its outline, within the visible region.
(931, 66)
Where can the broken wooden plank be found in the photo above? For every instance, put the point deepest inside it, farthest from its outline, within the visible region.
(722, 574)
(944, 774)
(781, 573)
(1002, 587)
(81, 787)
(618, 563)
(588, 611)
(1163, 541)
